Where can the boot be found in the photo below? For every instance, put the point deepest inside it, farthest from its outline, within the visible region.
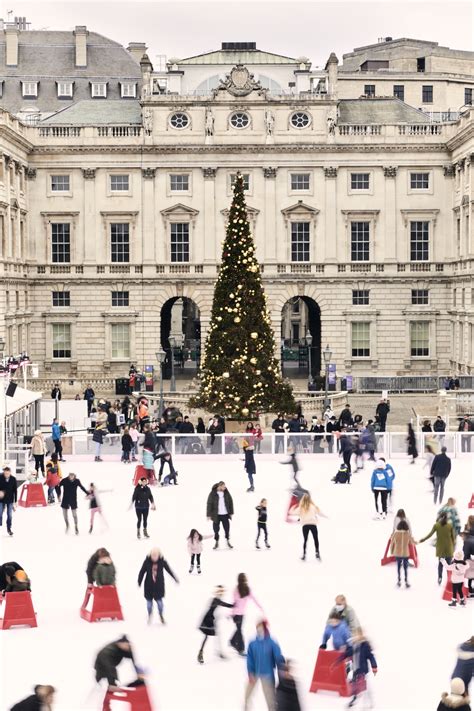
(303, 557)
(452, 604)
(257, 546)
(145, 533)
(162, 619)
(216, 545)
(138, 533)
(318, 557)
(9, 531)
(198, 569)
(76, 530)
(251, 488)
(191, 567)
(407, 584)
(463, 602)
(201, 657)
(228, 544)
(267, 545)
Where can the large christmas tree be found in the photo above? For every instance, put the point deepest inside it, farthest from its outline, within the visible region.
(240, 375)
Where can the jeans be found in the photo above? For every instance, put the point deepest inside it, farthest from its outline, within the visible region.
(383, 496)
(159, 604)
(307, 529)
(262, 527)
(466, 443)
(268, 688)
(402, 562)
(438, 483)
(346, 456)
(98, 447)
(51, 491)
(279, 443)
(9, 508)
(448, 560)
(125, 455)
(134, 451)
(39, 462)
(225, 521)
(250, 476)
(142, 513)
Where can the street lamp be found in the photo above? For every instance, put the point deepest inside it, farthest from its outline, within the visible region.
(309, 341)
(172, 341)
(327, 353)
(3, 409)
(160, 357)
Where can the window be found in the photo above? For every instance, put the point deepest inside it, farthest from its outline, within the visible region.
(360, 181)
(120, 242)
(29, 89)
(60, 242)
(65, 89)
(399, 91)
(360, 235)
(419, 181)
(1, 88)
(300, 241)
(239, 120)
(61, 298)
(179, 181)
(360, 297)
(119, 183)
(454, 297)
(463, 298)
(300, 181)
(98, 90)
(60, 183)
(61, 340)
(427, 94)
(179, 120)
(245, 178)
(419, 339)
(295, 305)
(180, 241)
(468, 96)
(419, 241)
(360, 339)
(121, 341)
(420, 297)
(300, 119)
(420, 64)
(369, 90)
(120, 298)
(128, 89)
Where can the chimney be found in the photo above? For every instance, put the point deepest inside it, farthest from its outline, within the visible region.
(331, 68)
(137, 50)
(11, 38)
(80, 34)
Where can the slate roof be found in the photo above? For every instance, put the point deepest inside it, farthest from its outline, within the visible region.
(378, 110)
(95, 112)
(255, 56)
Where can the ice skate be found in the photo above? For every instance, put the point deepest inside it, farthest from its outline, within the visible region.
(463, 603)
(191, 567)
(162, 619)
(216, 546)
(9, 531)
(198, 570)
(452, 604)
(200, 658)
(145, 533)
(318, 557)
(257, 546)
(267, 545)
(76, 530)
(229, 544)
(399, 583)
(251, 488)
(407, 584)
(303, 557)
(138, 533)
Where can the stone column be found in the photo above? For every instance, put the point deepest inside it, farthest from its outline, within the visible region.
(145, 249)
(386, 250)
(330, 242)
(270, 241)
(86, 243)
(209, 235)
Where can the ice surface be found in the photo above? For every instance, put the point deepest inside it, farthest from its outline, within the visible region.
(413, 632)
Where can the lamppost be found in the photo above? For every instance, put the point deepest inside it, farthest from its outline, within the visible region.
(172, 341)
(309, 341)
(3, 407)
(160, 357)
(327, 353)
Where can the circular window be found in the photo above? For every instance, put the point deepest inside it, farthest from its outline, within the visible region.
(239, 120)
(300, 119)
(179, 120)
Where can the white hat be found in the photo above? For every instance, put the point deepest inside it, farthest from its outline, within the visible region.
(459, 555)
(457, 686)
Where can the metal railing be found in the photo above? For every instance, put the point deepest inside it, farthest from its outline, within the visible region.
(409, 383)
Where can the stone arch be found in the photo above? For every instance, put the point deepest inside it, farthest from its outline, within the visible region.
(300, 315)
(180, 334)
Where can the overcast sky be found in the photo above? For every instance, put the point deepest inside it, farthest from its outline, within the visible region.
(313, 29)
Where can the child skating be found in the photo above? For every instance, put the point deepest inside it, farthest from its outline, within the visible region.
(95, 506)
(262, 523)
(195, 540)
(362, 655)
(208, 625)
(458, 570)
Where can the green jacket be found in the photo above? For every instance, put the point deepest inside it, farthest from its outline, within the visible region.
(445, 539)
(104, 574)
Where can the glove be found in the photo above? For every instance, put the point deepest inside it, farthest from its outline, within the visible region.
(322, 646)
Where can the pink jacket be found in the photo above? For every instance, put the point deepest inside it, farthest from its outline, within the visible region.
(240, 603)
(458, 570)
(195, 545)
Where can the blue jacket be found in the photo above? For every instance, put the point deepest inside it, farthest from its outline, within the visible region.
(390, 474)
(340, 634)
(380, 480)
(55, 431)
(263, 655)
(464, 668)
(362, 655)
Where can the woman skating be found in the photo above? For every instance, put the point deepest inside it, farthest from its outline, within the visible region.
(445, 540)
(143, 499)
(208, 625)
(308, 513)
(95, 506)
(262, 523)
(38, 450)
(152, 570)
(195, 540)
(400, 548)
(249, 465)
(242, 596)
(412, 451)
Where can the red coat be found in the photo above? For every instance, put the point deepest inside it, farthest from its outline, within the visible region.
(52, 479)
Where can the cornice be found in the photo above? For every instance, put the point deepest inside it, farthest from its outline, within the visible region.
(7, 133)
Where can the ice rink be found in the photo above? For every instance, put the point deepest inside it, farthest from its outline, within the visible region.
(413, 632)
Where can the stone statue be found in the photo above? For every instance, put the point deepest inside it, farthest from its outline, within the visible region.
(269, 122)
(148, 121)
(209, 123)
(331, 126)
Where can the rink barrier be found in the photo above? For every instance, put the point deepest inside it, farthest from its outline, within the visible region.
(136, 698)
(328, 675)
(104, 604)
(32, 494)
(18, 610)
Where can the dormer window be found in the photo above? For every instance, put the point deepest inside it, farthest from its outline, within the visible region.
(29, 89)
(65, 89)
(99, 89)
(128, 89)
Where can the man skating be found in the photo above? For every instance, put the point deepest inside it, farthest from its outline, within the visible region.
(219, 510)
(8, 497)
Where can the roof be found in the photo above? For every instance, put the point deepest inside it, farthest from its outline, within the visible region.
(21, 399)
(378, 110)
(392, 41)
(233, 57)
(95, 112)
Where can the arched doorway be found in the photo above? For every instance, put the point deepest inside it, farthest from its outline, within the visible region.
(300, 317)
(180, 336)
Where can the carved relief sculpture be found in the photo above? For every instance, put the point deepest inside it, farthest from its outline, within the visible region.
(209, 122)
(148, 121)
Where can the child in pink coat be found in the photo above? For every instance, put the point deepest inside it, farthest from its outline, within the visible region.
(195, 540)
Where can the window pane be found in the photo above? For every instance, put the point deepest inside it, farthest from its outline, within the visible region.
(419, 241)
(360, 297)
(300, 181)
(360, 236)
(120, 242)
(180, 241)
(300, 241)
(60, 242)
(61, 340)
(245, 177)
(60, 183)
(468, 96)
(120, 298)
(427, 94)
(399, 91)
(128, 89)
(179, 181)
(121, 340)
(420, 338)
(119, 182)
(360, 181)
(419, 181)
(360, 339)
(61, 298)
(65, 88)
(369, 89)
(98, 89)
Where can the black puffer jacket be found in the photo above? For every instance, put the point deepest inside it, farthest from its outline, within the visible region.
(441, 466)
(212, 511)
(142, 497)
(154, 589)
(468, 547)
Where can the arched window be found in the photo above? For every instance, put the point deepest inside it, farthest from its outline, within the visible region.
(206, 86)
(270, 84)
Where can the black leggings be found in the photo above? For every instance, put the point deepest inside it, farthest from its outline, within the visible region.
(383, 496)
(262, 527)
(307, 528)
(457, 590)
(39, 462)
(237, 639)
(198, 558)
(142, 513)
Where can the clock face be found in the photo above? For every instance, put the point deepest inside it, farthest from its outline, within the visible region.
(240, 77)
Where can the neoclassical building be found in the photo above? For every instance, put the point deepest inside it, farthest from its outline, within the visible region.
(113, 210)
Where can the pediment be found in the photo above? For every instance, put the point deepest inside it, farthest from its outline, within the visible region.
(181, 209)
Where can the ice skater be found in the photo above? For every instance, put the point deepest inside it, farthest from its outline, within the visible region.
(308, 514)
(242, 596)
(70, 485)
(143, 500)
(293, 463)
(95, 506)
(109, 658)
(219, 510)
(249, 465)
(52, 482)
(262, 523)
(208, 625)
(148, 455)
(337, 630)
(458, 569)
(263, 656)
(42, 699)
(127, 445)
(362, 656)
(195, 540)
(445, 541)
(380, 484)
(166, 458)
(400, 543)
(152, 570)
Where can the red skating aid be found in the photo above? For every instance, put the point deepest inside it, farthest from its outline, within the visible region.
(32, 494)
(329, 676)
(101, 603)
(133, 699)
(18, 610)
